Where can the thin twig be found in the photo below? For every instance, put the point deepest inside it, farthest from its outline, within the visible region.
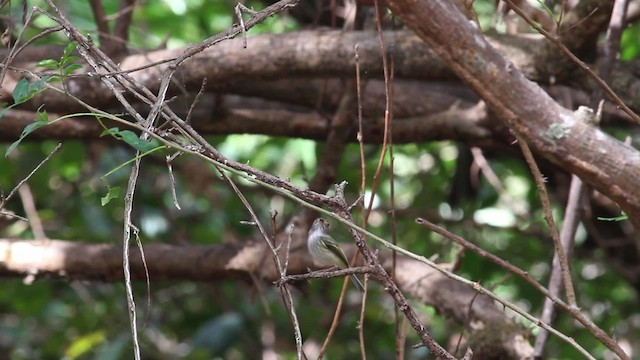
(327, 274)
(567, 237)
(147, 278)
(363, 177)
(548, 216)
(607, 57)
(126, 267)
(394, 234)
(326, 170)
(172, 179)
(387, 110)
(32, 213)
(335, 320)
(363, 307)
(13, 191)
(239, 8)
(282, 270)
(574, 312)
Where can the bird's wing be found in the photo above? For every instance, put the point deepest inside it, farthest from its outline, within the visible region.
(334, 248)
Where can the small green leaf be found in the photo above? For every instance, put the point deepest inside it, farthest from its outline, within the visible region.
(25, 90)
(67, 61)
(21, 91)
(112, 193)
(112, 132)
(132, 139)
(68, 49)
(71, 68)
(54, 78)
(48, 63)
(623, 217)
(42, 116)
(28, 130)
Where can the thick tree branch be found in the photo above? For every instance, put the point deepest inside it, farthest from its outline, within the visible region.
(304, 53)
(242, 115)
(85, 261)
(550, 129)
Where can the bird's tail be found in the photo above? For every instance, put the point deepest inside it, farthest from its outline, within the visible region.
(357, 283)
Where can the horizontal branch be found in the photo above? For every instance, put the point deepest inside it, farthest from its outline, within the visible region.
(86, 261)
(240, 115)
(228, 67)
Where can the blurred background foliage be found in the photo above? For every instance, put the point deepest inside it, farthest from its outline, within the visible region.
(79, 320)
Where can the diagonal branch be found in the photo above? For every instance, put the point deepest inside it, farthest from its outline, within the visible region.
(551, 130)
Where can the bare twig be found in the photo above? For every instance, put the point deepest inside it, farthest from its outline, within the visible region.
(363, 182)
(335, 320)
(326, 173)
(548, 216)
(13, 191)
(282, 270)
(32, 213)
(363, 307)
(126, 267)
(387, 111)
(567, 237)
(239, 8)
(172, 179)
(607, 57)
(326, 274)
(574, 312)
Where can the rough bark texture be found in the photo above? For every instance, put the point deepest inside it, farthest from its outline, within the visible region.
(551, 130)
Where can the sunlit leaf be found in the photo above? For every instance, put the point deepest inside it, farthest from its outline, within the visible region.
(84, 344)
(112, 193)
(48, 63)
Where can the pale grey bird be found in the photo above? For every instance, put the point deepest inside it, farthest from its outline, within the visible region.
(325, 252)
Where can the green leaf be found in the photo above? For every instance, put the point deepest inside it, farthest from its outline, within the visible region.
(68, 49)
(112, 193)
(42, 116)
(132, 139)
(48, 63)
(21, 91)
(55, 78)
(112, 131)
(42, 120)
(623, 217)
(25, 90)
(66, 61)
(84, 344)
(71, 68)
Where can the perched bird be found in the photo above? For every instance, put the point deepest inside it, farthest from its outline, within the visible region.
(325, 251)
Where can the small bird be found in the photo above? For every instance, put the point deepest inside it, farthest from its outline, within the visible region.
(325, 251)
